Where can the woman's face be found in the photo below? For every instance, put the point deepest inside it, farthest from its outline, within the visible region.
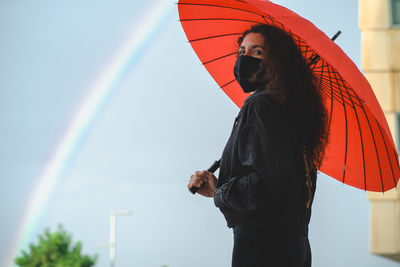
(253, 46)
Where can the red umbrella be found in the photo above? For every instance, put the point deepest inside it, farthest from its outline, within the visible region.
(360, 150)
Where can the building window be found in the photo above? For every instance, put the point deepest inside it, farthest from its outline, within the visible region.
(395, 12)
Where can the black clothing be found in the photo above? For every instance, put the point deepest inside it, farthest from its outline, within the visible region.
(253, 248)
(262, 180)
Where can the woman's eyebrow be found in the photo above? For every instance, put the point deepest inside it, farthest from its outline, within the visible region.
(254, 46)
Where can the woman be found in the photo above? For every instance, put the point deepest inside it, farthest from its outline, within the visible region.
(268, 168)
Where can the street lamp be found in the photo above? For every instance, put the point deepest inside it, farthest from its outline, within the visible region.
(114, 214)
(111, 243)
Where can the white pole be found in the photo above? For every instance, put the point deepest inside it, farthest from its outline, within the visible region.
(112, 240)
(113, 214)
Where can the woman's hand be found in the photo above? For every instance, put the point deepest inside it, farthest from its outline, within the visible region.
(204, 180)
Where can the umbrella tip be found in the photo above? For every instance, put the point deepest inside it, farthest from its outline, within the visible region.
(336, 35)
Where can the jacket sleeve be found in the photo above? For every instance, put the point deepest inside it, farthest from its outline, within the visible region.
(264, 155)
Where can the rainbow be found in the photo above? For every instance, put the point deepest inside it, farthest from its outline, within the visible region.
(140, 37)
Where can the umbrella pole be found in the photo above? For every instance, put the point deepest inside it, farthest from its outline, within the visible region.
(212, 169)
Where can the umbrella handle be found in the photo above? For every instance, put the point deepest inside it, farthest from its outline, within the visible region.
(212, 169)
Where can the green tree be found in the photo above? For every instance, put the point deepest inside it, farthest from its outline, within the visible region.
(55, 249)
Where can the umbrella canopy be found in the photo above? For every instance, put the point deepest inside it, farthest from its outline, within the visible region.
(360, 150)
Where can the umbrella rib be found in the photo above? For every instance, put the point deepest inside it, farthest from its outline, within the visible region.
(227, 83)
(324, 88)
(275, 22)
(229, 7)
(340, 79)
(300, 43)
(313, 53)
(397, 159)
(362, 148)
(333, 93)
(227, 55)
(376, 149)
(327, 78)
(295, 37)
(320, 80)
(305, 52)
(234, 8)
(266, 21)
(327, 81)
(350, 96)
(336, 90)
(337, 76)
(361, 138)
(387, 152)
(336, 93)
(214, 36)
(209, 19)
(319, 86)
(331, 111)
(345, 116)
(313, 59)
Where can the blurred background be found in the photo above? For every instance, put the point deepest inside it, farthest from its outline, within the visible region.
(105, 106)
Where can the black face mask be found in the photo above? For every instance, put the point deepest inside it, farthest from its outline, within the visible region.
(245, 67)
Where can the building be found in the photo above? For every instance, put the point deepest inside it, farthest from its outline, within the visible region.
(379, 22)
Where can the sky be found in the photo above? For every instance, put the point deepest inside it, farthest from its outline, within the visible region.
(160, 118)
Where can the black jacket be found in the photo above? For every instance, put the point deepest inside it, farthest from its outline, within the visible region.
(262, 174)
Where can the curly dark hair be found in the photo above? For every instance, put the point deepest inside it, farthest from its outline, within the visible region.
(293, 83)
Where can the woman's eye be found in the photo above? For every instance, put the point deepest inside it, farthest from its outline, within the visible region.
(241, 52)
(257, 52)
